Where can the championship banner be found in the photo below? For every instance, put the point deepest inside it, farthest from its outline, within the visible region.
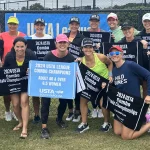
(98, 37)
(55, 23)
(128, 109)
(41, 46)
(75, 50)
(132, 51)
(13, 80)
(146, 60)
(52, 79)
(93, 83)
(1, 49)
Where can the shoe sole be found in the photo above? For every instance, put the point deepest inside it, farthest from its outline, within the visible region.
(75, 120)
(85, 129)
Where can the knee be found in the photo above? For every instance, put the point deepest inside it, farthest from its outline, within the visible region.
(24, 104)
(16, 105)
(125, 137)
(117, 132)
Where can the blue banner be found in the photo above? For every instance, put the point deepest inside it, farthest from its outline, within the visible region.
(52, 79)
(54, 23)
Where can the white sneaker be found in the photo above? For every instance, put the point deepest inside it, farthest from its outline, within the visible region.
(70, 117)
(8, 116)
(14, 116)
(94, 113)
(76, 118)
(99, 113)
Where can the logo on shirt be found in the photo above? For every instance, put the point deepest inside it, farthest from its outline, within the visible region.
(120, 80)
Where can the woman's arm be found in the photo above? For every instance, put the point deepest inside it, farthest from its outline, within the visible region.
(108, 62)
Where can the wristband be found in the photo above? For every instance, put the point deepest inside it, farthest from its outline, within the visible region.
(110, 73)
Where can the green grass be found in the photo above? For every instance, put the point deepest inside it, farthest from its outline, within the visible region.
(65, 139)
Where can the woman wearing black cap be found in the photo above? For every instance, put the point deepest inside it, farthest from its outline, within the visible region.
(20, 56)
(74, 38)
(97, 63)
(128, 31)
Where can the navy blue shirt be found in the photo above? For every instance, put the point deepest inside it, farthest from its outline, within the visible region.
(127, 78)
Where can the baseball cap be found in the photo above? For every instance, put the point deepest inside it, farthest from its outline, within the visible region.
(12, 19)
(112, 15)
(118, 48)
(39, 20)
(94, 17)
(126, 24)
(146, 17)
(62, 38)
(87, 42)
(74, 19)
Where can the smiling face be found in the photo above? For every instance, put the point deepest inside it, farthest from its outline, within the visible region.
(128, 32)
(146, 24)
(12, 27)
(88, 50)
(74, 26)
(94, 24)
(116, 56)
(39, 27)
(20, 48)
(62, 46)
(113, 23)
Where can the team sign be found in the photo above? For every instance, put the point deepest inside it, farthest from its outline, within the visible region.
(52, 79)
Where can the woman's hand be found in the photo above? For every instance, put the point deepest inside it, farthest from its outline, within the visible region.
(145, 44)
(147, 99)
(103, 85)
(110, 79)
(78, 59)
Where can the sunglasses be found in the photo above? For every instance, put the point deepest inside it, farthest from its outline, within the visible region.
(114, 53)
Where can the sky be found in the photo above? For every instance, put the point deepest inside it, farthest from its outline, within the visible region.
(72, 3)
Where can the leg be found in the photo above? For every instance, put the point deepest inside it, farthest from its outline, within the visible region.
(8, 115)
(117, 127)
(84, 109)
(36, 105)
(15, 98)
(77, 108)
(129, 134)
(144, 86)
(25, 111)
(61, 110)
(7, 102)
(45, 103)
(70, 106)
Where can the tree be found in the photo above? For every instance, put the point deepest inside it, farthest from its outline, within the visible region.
(36, 6)
(66, 7)
(24, 8)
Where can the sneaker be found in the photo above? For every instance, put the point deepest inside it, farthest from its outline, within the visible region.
(105, 127)
(61, 123)
(45, 133)
(99, 113)
(76, 118)
(94, 113)
(69, 117)
(82, 127)
(36, 119)
(8, 116)
(14, 116)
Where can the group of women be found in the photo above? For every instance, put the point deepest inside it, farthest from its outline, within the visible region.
(17, 54)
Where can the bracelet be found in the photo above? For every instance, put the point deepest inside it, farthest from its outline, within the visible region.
(110, 73)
